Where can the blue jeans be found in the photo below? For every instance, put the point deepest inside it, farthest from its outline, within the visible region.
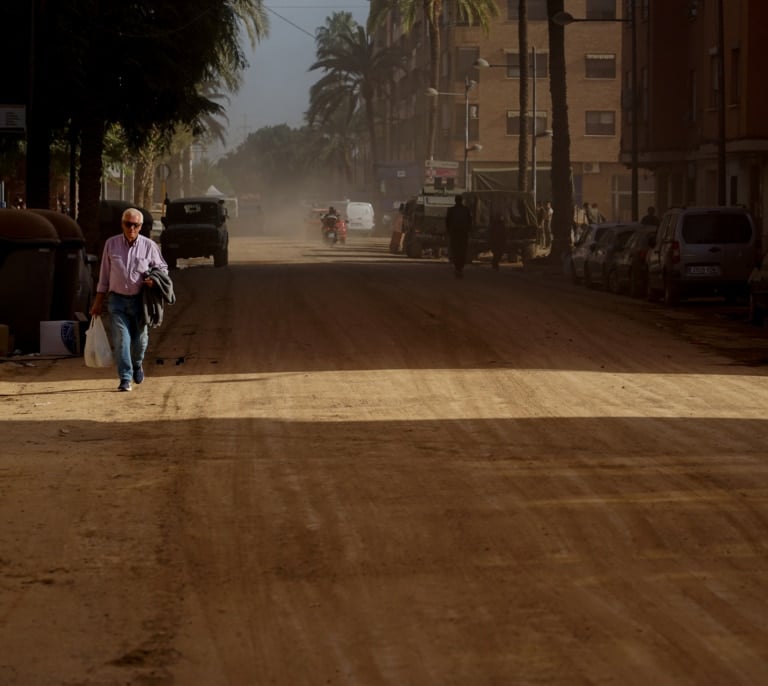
(129, 333)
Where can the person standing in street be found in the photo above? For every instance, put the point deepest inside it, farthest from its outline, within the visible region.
(458, 224)
(651, 218)
(125, 263)
(548, 213)
(497, 238)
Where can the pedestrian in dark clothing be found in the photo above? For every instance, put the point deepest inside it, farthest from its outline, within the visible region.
(497, 238)
(651, 219)
(458, 224)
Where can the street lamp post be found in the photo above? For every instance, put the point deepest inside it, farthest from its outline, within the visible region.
(469, 85)
(467, 81)
(565, 18)
(482, 63)
(533, 128)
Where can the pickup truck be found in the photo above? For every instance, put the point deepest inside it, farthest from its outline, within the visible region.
(195, 227)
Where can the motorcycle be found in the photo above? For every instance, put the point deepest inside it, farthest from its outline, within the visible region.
(333, 229)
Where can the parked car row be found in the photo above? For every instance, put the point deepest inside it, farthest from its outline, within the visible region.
(695, 252)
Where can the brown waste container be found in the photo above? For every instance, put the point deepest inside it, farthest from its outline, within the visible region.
(72, 281)
(28, 245)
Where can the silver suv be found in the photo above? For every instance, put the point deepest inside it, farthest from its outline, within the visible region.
(702, 251)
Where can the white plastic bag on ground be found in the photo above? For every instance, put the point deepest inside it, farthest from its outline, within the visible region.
(97, 352)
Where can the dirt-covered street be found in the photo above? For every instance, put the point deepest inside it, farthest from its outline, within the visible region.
(346, 467)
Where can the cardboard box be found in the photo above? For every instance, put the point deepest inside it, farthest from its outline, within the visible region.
(60, 338)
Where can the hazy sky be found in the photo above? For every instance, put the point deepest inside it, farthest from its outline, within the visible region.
(276, 87)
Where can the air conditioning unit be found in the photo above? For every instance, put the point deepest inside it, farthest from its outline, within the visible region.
(591, 167)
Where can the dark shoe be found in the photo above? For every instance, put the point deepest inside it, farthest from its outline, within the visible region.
(138, 375)
(125, 386)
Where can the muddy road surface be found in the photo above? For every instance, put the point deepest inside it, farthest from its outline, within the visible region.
(346, 467)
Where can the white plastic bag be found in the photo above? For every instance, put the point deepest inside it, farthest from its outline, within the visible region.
(98, 352)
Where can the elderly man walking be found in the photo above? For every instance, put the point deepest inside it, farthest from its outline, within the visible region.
(126, 263)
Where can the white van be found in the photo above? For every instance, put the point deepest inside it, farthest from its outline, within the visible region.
(360, 218)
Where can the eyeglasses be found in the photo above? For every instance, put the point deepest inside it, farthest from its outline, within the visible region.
(131, 225)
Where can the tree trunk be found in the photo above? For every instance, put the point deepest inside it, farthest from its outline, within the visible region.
(38, 171)
(144, 181)
(370, 121)
(91, 149)
(562, 180)
(522, 155)
(187, 182)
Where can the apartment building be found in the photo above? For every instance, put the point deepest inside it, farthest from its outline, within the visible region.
(481, 105)
(703, 116)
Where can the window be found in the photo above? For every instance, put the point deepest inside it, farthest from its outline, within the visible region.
(465, 58)
(716, 228)
(474, 122)
(537, 9)
(600, 123)
(600, 66)
(513, 122)
(600, 9)
(542, 65)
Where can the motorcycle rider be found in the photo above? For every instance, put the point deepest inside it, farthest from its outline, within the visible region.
(329, 221)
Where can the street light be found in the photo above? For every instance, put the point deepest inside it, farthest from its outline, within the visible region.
(469, 85)
(484, 64)
(565, 18)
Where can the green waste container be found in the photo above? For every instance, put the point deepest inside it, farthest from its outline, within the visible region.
(28, 245)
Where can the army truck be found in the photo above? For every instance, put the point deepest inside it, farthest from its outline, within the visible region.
(424, 224)
(526, 240)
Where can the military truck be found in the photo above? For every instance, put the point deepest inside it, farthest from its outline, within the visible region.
(526, 240)
(424, 224)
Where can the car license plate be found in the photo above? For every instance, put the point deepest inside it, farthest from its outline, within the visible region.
(705, 270)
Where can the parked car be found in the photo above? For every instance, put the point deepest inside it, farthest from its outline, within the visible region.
(582, 247)
(703, 251)
(631, 266)
(758, 293)
(599, 265)
(195, 227)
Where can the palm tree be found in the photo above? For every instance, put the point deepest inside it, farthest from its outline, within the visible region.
(562, 182)
(479, 12)
(333, 145)
(354, 72)
(143, 60)
(338, 24)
